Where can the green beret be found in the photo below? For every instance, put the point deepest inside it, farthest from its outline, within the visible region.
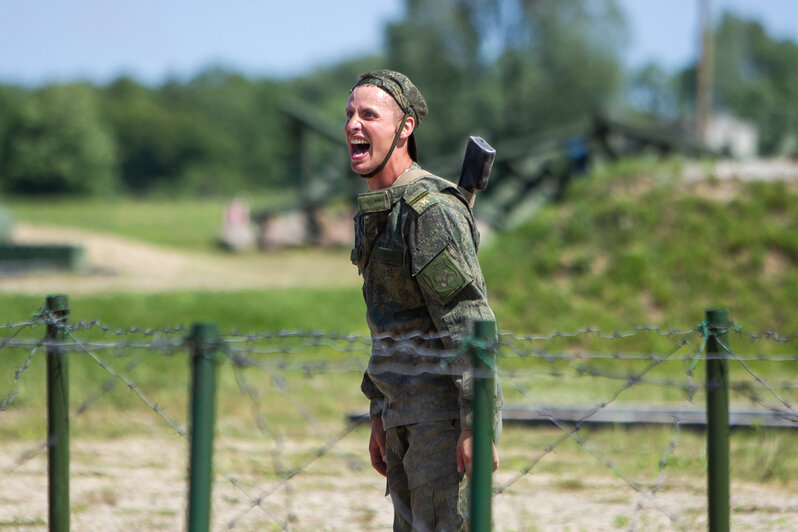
(401, 88)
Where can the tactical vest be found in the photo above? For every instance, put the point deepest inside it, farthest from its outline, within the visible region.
(421, 290)
(417, 188)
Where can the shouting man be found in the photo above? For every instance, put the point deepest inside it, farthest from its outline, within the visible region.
(416, 248)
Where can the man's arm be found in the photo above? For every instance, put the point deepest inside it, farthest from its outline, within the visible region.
(377, 446)
(465, 452)
(449, 276)
(377, 438)
(445, 265)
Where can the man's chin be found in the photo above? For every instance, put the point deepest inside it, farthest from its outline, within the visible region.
(359, 167)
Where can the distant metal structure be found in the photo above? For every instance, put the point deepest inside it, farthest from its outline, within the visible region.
(303, 223)
(533, 170)
(528, 172)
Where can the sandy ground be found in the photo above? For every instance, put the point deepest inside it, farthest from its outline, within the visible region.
(139, 483)
(115, 264)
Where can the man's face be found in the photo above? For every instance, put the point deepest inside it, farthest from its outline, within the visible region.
(372, 117)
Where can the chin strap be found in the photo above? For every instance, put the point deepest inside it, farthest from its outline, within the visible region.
(393, 145)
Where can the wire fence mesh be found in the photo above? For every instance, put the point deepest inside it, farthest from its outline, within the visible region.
(291, 452)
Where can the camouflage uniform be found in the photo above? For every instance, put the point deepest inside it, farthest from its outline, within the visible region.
(415, 246)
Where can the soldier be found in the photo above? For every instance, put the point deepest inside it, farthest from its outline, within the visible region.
(415, 246)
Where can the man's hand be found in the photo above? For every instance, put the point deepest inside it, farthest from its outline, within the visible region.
(465, 452)
(377, 446)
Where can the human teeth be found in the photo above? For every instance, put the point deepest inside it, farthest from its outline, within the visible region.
(358, 141)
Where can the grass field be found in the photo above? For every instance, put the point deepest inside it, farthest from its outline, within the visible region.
(632, 245)
(181, 223)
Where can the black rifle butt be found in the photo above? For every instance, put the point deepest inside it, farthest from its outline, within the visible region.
(477, 164)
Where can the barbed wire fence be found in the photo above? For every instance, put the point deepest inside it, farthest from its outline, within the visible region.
(298, 461)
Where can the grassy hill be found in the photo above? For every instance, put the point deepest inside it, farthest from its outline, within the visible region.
(636, 244)
(632, 244)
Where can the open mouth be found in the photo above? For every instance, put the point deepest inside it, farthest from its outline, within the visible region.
(358, 147)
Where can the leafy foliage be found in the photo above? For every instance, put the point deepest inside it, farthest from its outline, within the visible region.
(56, 143)
(753, 78)
(217, 134)
(496, 68)
(635, 243)
(503, 68)
(756, 78)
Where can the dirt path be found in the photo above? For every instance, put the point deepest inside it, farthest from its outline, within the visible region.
(115, 264)
(139, 483)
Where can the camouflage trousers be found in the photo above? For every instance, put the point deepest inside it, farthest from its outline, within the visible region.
(427, 492)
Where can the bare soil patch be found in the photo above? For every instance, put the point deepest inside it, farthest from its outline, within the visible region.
(139, 482)
(115, 264)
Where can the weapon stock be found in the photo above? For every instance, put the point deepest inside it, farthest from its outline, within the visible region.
(477, 164)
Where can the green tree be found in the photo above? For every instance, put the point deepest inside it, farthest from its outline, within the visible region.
(148, 135)
(653, 92)
(508, 67)
(216, 134)
(561, 64)
(437, 46)
(57, 144)
(244, 117)
(754, 78)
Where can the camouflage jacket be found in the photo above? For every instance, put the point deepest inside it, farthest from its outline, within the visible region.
(416, 248)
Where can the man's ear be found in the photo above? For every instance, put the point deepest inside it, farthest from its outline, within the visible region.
(408, 127)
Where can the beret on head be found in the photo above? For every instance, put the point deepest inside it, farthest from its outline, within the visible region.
(401, 88)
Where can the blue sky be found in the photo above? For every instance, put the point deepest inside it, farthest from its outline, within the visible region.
(49, 40)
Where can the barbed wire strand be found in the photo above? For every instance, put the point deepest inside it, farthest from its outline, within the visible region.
(181, 431)
(20, 327)
(761, 381)
(678, 420)
(14, 325)
(768, 335)
(170, 346)
(264, 427)
(572, 430)
(266, 493)
(319, 339)
(597, 332)
(17, 376)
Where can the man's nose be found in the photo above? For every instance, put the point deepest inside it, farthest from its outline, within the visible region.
(352, 124)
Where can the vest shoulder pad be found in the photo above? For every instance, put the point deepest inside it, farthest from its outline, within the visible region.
(427, 191)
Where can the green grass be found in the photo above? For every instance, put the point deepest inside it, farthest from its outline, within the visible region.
(756, 455)
(631, 245)
(163, 374)
(333, 310)
(182, 223)
(634, 244)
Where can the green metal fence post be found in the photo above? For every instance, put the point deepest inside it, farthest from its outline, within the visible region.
(718, 419)
(57, 415)
(204, 340)
(484, 361)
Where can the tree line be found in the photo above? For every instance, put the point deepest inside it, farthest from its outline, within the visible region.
(499, 68)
